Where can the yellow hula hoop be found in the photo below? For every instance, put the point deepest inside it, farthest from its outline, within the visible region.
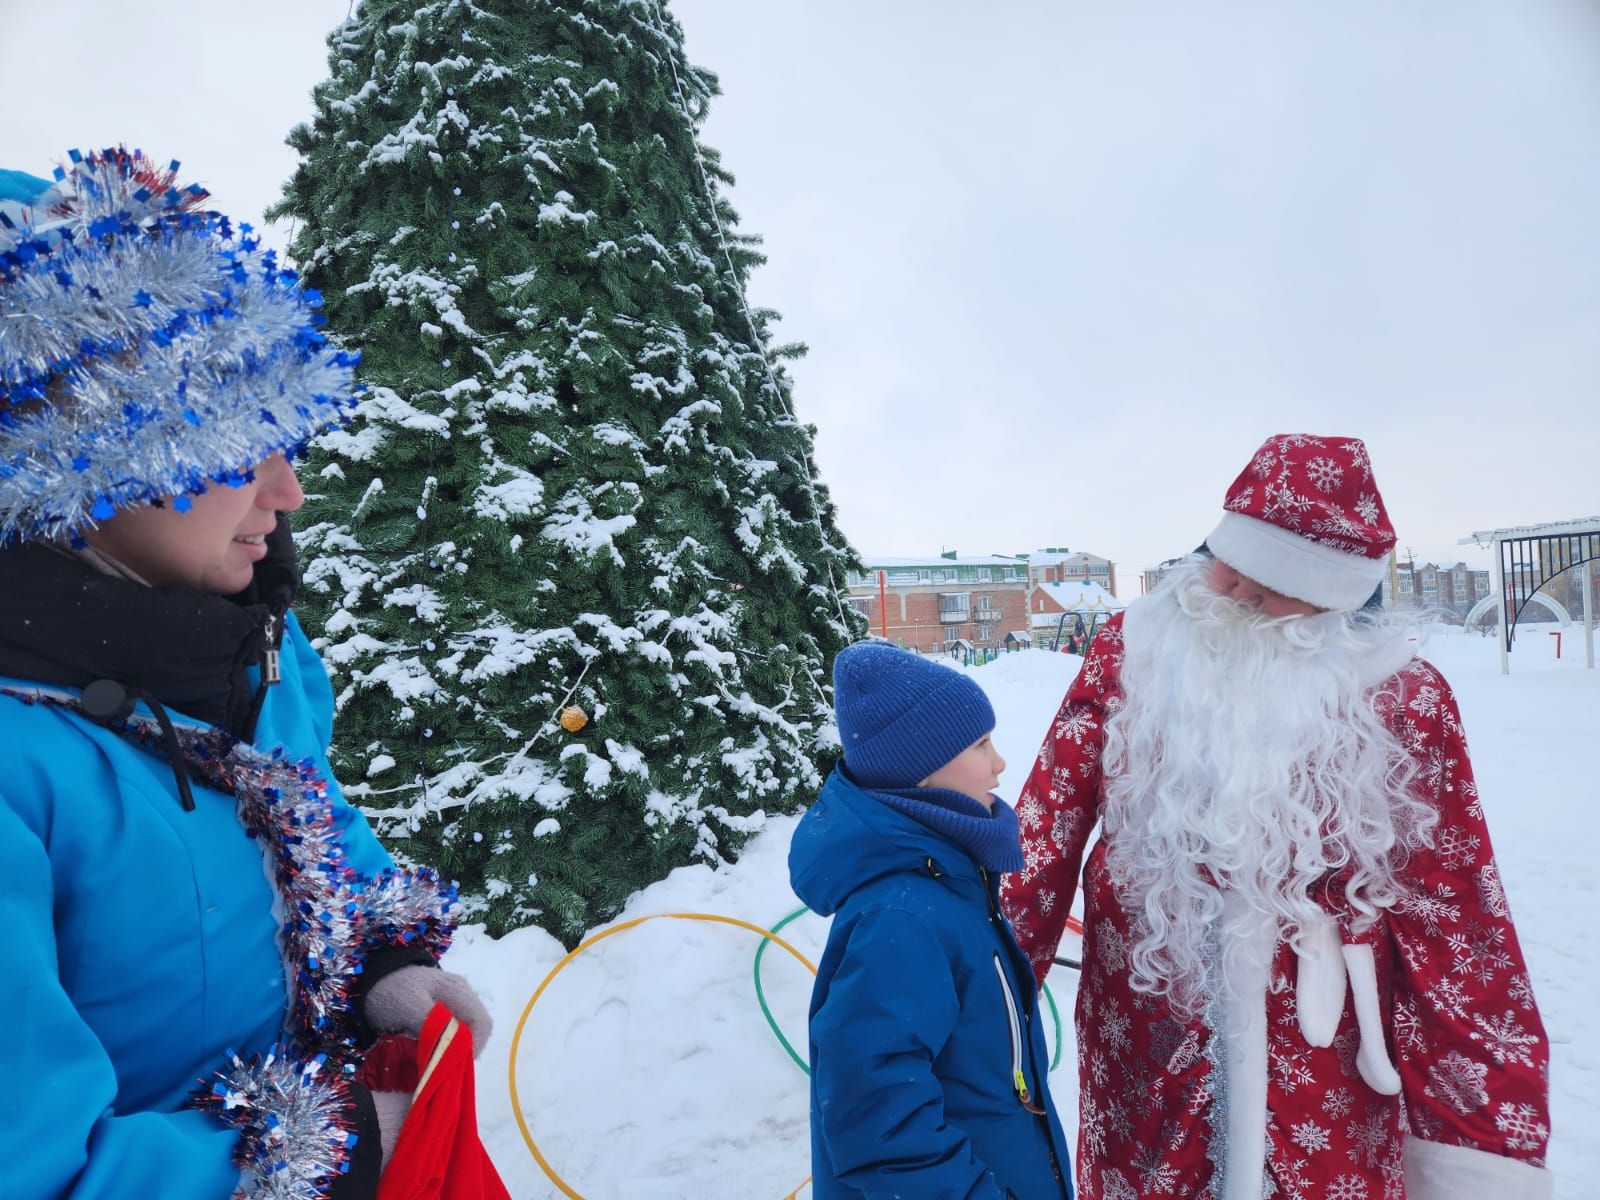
(516, 1037)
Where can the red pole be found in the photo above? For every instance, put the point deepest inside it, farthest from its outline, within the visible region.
(883, 608)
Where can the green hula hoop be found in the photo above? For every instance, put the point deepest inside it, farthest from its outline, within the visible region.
(766, 1011)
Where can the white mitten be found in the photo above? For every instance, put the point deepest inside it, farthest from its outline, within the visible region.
(401, 1001)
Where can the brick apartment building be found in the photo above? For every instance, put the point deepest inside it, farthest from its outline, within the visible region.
(933, 604)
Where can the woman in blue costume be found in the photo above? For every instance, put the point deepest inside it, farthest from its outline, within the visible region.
(202, 936)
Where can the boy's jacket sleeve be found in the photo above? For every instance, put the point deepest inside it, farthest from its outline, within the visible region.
(60, 1136)
(888, 1012)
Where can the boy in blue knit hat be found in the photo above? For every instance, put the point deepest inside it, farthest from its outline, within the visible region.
(928, 1057)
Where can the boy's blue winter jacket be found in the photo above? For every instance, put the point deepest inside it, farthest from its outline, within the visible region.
(925, 1029)
(140, 948)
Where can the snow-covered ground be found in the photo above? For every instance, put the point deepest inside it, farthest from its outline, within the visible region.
(647, 1072)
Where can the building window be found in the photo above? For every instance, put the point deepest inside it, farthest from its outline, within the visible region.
(902, 578)
(986, 633)
(953, 607)
(985, 574)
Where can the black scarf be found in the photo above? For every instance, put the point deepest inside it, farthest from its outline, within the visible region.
(63, 623)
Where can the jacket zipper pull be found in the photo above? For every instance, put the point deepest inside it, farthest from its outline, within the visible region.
(271, 667)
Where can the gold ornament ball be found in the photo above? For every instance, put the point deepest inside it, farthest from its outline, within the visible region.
(573, 718)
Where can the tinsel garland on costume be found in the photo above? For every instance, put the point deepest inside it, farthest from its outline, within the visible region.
(290, 1106)
(292, 1120)
(146, 349)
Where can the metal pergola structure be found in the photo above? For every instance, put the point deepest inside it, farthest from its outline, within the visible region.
(1526, 557)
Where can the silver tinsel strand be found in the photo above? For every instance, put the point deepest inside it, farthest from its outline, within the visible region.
(292, 1121)
(147, 350)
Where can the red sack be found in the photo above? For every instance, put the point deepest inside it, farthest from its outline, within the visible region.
(438, 1155)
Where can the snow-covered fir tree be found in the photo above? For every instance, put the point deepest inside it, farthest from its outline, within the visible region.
(575, 482)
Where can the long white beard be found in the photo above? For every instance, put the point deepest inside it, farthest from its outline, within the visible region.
(1247, 756)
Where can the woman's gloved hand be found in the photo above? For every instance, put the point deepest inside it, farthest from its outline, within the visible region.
(401, 1000)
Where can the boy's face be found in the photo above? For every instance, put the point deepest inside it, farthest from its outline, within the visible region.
(974, 772)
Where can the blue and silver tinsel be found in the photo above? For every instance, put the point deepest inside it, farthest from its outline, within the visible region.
(147, 348)
(292, 1106)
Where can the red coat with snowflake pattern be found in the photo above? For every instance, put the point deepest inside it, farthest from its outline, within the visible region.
(1461, 1023)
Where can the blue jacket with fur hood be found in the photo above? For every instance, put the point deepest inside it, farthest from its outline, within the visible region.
(928, 1055)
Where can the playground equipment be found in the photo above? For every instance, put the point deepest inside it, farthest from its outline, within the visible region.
(1526, 558)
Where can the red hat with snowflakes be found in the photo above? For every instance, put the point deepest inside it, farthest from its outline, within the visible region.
(1305, 519)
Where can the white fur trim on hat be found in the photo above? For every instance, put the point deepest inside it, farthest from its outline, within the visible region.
(1295, 565)
(1435, 1171)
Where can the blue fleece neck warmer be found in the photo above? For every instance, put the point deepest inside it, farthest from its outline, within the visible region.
(990, 836)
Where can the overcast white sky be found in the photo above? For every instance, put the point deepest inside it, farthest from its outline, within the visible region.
(1062, 265)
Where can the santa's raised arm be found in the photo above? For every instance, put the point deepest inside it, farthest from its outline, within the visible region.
(1299, 967)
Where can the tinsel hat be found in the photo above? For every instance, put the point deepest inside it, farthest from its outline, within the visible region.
(148, 347)
(1305, 519)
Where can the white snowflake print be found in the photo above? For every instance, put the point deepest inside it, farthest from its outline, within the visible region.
(1433, 911)
(1521, 990)
(1504, 1039)
(1061, 785)
(1114, 1185)
(1186, 1055)
(1449, 997)
(1479, 952)
(1394, 1172)
(1157, 1177)
(1264, 464)
(1522, 1127)
(1347, 1187)
(1099, 1069)
(1290, 1066)
(1064, 828)
(1114, 1028)
(1408, 1033)
(1432, 771)
(1324, 473)
(1367, 507)
(1338, 1102)
(1311, 1137)
(1111, 948)
(1094, 670)
(1426, 702)
(1075, 724)
(1241, 502)
(1367, 1137)
(1045, 901)
(1031, 812)
(1415, 953)
(1458, 848)
(1458, 1083)
(1469, 793)
(1091, 1127)
(1339, 531)
(1291, 441)
(1036, 856)
(1285, 504)
(1490, 892)
(1358, 458)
